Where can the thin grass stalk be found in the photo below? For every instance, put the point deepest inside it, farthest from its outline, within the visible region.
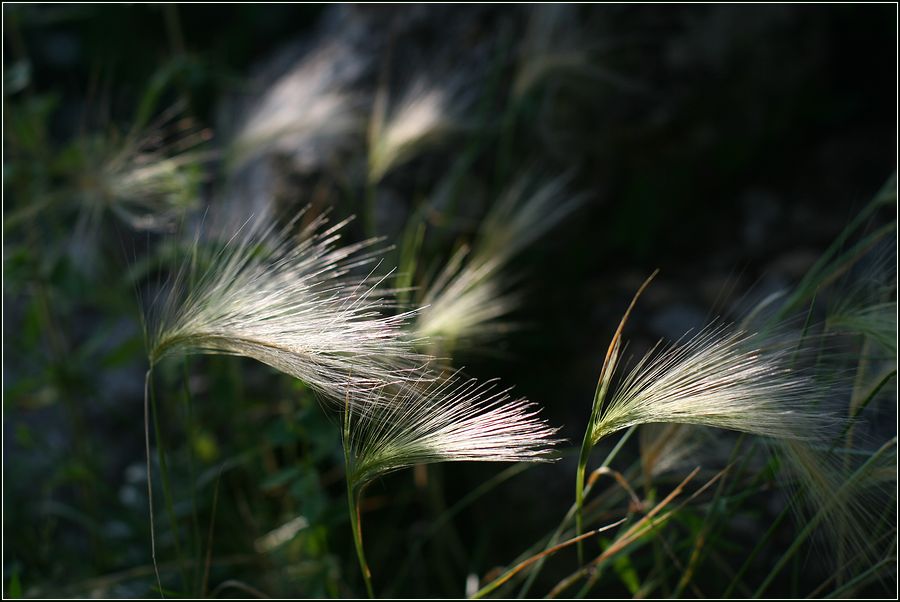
(814, 521)
(354, 494)
(540, 556)
(353, 500)
(844, 590)
(572, 510)
(493, 585)
(639, 529)
(447, 515)
(652, 525)
(847, 432)
(591, 482)
(817, 593)
(147, 378)
(847, 437)
(632, 534)
(587, 444)
(166, 485)
(191, 435)
(696, 554)
(204, 585)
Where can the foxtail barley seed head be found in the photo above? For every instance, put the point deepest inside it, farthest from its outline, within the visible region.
(722, 378)
(296, 304)
(444, 420)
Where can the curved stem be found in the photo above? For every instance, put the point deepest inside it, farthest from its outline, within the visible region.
(354, 494)
(573, 508)
(147, 378)
(594, 432)
(579, 491)
(493, 585)
(353, 499)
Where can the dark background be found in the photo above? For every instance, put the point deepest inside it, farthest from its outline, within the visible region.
(733, 146)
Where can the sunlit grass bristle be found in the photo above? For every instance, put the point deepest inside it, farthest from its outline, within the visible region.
(306, 305)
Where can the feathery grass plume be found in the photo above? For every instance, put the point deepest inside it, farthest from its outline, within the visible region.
(449, 420)
(720, 377)
(465, 303)
(295, 304)
(425, 113)
(442, 419)
(781, 383)
(311, 111)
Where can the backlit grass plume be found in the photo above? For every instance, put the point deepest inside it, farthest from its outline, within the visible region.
(721, 377)
(792, 386)
(294, 303)
(465, 303)
(438, 420)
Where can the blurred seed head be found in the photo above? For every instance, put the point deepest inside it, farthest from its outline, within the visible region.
(552, 43)
(666, 447)
(424, 114)
(310, 112)
(465, 304)
(149, 178)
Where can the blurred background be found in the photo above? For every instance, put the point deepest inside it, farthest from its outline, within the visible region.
(725, 145)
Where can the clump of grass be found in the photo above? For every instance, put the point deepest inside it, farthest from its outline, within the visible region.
(443, 419)
(722, 377)
(782, 383)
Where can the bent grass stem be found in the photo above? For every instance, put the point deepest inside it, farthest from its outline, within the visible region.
(590, 437)
(568, 517)
(147, 379)
(353, 498)
(493, 585)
